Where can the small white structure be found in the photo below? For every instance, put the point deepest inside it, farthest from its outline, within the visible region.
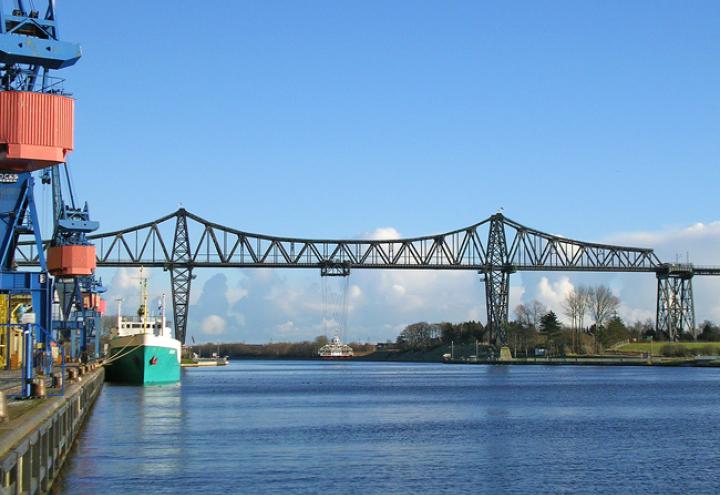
(336, 350)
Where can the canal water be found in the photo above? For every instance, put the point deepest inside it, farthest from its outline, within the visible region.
(358, 427)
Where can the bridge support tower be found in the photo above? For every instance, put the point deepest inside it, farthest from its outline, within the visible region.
(675, 302)
(497, 282)
(181, 275)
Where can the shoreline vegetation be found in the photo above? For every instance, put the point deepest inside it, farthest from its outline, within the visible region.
(535, 336)
(626, 354)
(274, 350)
(680, 355)
(669, 353)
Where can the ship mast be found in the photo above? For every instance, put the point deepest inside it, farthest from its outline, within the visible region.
(162, 315)
(144, 300)
(119, 314)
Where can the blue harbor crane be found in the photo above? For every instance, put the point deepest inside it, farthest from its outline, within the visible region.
(36, 134)
(78, 290)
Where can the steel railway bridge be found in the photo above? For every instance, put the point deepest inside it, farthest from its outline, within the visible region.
(497, 247)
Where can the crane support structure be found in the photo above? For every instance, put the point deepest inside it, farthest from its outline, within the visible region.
(496, 247)
(36, 133)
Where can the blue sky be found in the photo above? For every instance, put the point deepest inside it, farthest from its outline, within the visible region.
(595, 120)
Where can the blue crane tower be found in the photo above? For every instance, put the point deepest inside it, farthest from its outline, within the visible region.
(71, 260)
(36, 134)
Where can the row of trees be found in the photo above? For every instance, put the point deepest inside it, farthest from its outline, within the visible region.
(420, 335)
(594, 325)
(423, 335)
(278, 350)
(599, 303)
(558, 339)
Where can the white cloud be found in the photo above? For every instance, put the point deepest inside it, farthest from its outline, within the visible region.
(235, 294)
(475, 314)
(687, 234)
(698, 241)
(382, 234)
(356, 293)
(552, 294)
(631, 315)
(213, 325)
(517, 293)
(125, 285)
(126, 278)
(330, 327)
(287, 327)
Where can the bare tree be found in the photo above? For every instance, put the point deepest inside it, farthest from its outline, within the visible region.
(583, 303)
(537, 311)
(522, 314)
(570, 307)
(575, 307)
(529, 314)
(602, 303)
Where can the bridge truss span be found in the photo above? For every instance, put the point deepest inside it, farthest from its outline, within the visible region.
(495, 247)
(214, 245)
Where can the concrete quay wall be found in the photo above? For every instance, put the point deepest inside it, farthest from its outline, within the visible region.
(34, 445)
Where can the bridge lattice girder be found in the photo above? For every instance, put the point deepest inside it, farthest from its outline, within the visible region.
(495, 247)
(213, 245)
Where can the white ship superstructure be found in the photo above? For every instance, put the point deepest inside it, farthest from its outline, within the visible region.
(336, 350)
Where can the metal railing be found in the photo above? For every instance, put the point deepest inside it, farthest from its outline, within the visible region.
(17, 79)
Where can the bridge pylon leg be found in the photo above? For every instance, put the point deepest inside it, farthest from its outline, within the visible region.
(181, 279)
(497, 282)
(675, 305)
(181, 275)
(497, 295)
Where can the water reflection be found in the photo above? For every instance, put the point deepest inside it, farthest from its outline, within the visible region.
(160, 415)
(308, 427)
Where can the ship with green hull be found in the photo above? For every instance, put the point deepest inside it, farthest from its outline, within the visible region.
(143, 359)
(142, 350)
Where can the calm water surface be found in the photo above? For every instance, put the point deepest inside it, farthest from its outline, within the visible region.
(309, 427)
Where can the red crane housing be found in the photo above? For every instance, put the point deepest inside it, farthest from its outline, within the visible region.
(36, 130)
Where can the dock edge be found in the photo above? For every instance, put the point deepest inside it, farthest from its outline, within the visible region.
(32, 452)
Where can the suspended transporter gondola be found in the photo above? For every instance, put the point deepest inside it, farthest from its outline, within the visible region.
(336, 350)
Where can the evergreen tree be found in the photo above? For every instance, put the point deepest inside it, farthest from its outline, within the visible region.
(614, 332)
(550, 326)
(710, 332)
(549, 323)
